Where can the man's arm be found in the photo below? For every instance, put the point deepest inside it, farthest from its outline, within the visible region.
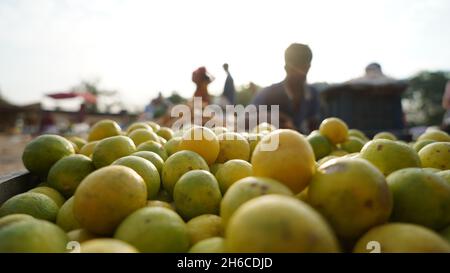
(446, 97)
(314, 114)
(286, 122)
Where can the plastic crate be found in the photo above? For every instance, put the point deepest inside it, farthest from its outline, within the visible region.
(16, 183)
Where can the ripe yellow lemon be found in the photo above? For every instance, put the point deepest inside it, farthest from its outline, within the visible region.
(66, 219)
(246, 189)
(42, 152)
(335, 129)
(78, 141)
(402, 238)
(153, 146)
(436, 155)
(232, 171)
(203, 227)
(286, 156)
(385, 135)
(357, 133)
(154, 229)
(110, 149)
(197, 192)
(157, 203)
(12, 218)
(88, 148)
(52, 193)
(154, 158)
(80, 235)
(106, 245)
(32, 236)
(165, 133)
(103, 129)
(435, 135)
(352, 145)
(233, 146)
(420, 197)
(142, 135)
(155, 126)
(171, 146)
(35, 204)
(389, 156)
(139, 125)
(276, 223)
(146, 170)
(422, 143)
(66, 174)
(178, 164)
(210, 245)
(343, 188)
(203, 141)
(108, 195)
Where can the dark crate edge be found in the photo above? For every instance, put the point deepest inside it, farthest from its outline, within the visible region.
(6, 177)
(16, 183)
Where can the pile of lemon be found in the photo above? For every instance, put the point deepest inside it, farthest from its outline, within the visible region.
(203, 190)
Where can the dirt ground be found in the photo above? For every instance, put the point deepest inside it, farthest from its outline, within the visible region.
(11, 148)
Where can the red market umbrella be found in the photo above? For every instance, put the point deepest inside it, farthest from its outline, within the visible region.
(62, 95)
(88, 97)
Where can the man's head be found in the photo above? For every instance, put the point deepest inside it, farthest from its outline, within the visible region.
(373, 68)
(225, 67)
(200, 75)
(297, 59)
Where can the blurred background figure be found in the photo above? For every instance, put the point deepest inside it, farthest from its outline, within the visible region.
(81, 115)
(47, 124)
(446, 105)
(374, 75)
(202, 79)
(158, 107)
(298, 102)
(126, 120)
(229, 90)
(253, 88)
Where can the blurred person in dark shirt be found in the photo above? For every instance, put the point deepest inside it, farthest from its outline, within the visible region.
(229, 89)
(298, 102)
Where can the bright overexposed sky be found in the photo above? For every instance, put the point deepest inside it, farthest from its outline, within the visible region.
(142, 47)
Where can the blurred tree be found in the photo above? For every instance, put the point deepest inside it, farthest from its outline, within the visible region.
(423, 99)
(109, 96)
(245, 93)
(90, 86)
(175, 98)
(320, 86)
